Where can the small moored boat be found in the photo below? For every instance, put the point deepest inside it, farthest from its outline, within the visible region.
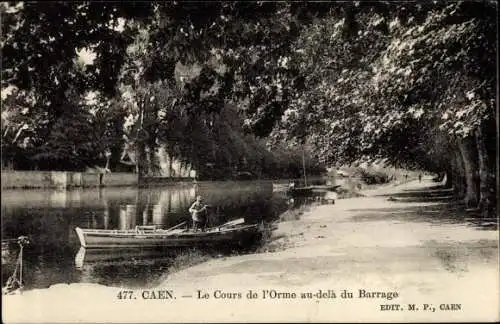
(302, 191)
(326, 187)
(150, 236)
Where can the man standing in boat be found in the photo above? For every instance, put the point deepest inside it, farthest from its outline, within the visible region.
(196, 210)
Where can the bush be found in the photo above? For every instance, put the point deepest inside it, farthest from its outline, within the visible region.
(374, 177)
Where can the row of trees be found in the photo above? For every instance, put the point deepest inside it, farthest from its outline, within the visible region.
(143, 96)
(412, 83)
(86, 135)
(415, 84)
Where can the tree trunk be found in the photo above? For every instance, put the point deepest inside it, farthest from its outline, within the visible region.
(458, 172)
(149, 160)
(469, 158)
(486, 185)
(170, 162)
(181, 169)
(449, 178)
(108, 159)
(140, 143)
(139, 164)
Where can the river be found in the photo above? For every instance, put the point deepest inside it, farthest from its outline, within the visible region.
(49, 218)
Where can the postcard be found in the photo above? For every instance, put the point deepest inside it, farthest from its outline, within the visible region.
(189, 162)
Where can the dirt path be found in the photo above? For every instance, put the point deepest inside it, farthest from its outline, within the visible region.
(409, 244)
(404, 239)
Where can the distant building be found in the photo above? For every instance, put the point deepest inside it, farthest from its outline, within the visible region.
(163, 165)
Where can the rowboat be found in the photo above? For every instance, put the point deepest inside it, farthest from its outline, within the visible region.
(302, 191)
(151, 236)
(326, 187)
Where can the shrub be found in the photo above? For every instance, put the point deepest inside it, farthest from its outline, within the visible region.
(374, 177)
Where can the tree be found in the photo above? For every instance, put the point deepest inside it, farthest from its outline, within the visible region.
(443, 71)
(407, 83)
(41, 43)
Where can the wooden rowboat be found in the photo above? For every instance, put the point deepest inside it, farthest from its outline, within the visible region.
(151, 236)
(302, 191)
(326, 187)
(307, 191)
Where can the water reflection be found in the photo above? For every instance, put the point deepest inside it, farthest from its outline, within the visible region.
(49, 217)
(313, 198)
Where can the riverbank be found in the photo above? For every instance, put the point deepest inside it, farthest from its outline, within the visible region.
(404, 239)
(64, 180)
(69, 180)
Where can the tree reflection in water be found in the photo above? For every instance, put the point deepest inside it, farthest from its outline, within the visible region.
(49, 217)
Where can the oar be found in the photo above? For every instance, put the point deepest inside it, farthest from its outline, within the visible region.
(233, 222)
(176, 226)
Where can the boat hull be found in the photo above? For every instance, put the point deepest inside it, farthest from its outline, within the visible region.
(102, 239)
(296, 192)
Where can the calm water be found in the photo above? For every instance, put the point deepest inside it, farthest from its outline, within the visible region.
(49, 218)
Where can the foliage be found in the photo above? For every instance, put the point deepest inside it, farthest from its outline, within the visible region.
(232, 86)
(41, 43)
(374, 177)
